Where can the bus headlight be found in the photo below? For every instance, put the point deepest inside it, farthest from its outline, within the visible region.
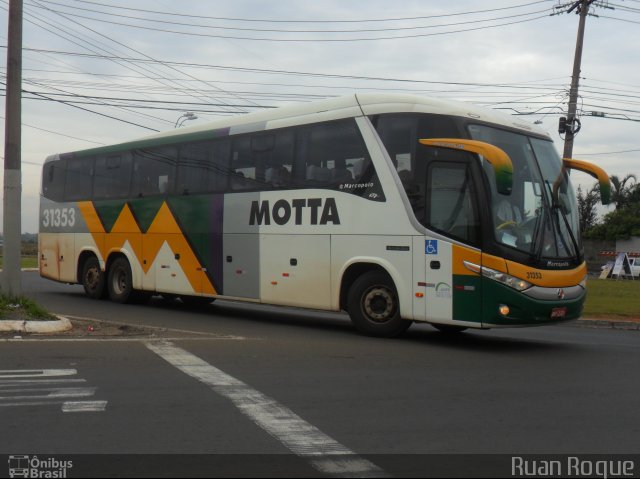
(506, 279)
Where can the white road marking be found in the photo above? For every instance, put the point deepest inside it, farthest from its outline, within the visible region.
(84, 406)
(35, 373)
(55, 394)
(25, 382)
(41, 390)
(325, 454)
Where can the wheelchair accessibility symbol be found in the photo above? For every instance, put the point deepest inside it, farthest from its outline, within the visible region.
(431, 246)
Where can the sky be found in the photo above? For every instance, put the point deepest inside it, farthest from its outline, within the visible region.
(99, 72)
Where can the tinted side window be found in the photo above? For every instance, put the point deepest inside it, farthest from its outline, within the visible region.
(154, 171)
(203, 167)
(262, 161)
(79, 182)
(333, 155)
(112, 176)
(53, 179)
(274, 151)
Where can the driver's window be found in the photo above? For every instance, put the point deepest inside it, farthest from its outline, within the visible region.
(450, 201)
(532, 199)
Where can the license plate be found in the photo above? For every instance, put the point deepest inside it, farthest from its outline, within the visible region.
(558, 313)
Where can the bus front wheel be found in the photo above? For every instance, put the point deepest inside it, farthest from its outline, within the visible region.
(120, 281)
(373, 306)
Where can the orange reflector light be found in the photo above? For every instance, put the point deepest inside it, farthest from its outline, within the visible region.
(274, 282)
(419, 295)
(504, 310)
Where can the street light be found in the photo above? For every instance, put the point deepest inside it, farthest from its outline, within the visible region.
(189, 115)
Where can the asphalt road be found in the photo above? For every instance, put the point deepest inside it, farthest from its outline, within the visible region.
(258, 381)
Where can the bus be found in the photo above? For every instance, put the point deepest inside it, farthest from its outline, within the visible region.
(393, 208)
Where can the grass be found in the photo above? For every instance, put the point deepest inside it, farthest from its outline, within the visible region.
(25, 262)
(22, 308)
(607, 297)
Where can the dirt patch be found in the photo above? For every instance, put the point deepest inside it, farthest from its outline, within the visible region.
(93, 328)
(90, 328)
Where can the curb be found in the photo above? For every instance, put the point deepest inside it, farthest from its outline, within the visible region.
(607, 324)
(61, 325)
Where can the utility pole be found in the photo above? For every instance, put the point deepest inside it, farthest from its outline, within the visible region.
(11, 280)
(572, 123)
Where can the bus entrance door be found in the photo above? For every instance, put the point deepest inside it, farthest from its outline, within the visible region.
(453, 288)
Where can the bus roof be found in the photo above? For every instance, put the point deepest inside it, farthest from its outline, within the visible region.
(324, 110)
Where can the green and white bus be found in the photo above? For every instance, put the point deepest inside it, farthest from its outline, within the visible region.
(394, 208)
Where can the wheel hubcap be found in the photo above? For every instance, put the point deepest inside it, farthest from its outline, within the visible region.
(119, 282)
(92, 278)
(379, 304)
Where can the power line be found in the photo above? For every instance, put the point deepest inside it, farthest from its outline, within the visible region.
(608, 152)
(56, 133)
(273, 30)
(619, 19)
(57, 33)
(254, 20)
(134, 50)
(166, 102)
(286, 72)
(303, 40)
(71, 104)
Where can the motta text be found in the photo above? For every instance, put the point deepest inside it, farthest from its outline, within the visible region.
(315, 211)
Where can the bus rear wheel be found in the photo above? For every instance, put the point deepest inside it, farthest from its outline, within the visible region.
(372, 304)
(93, 278)
(120, 281)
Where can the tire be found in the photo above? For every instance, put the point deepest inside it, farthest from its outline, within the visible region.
(93, 279)
(449, 329)
(120, 282)
(372, 304)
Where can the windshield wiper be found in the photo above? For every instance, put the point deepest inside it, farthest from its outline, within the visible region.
(558, 207)
(538, 232)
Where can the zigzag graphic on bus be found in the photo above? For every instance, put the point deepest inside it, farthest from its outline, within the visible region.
(163, 229)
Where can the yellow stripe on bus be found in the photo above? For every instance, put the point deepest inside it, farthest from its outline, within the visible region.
(548, 278)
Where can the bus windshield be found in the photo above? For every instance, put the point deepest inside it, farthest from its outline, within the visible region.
(540, 216)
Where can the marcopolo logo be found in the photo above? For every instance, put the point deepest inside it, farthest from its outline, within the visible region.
(314, 210)
(35, 467)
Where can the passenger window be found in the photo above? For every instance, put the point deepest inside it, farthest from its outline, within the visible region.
(262, 161)
(244, 173)
(79, 180)
(154, 171)
(203, 167)
(275, 152)
(450, 201)
(112, 176)
(333, 155)
(53, 179)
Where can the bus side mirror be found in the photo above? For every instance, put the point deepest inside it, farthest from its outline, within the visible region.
(502, 164)
(596, 172)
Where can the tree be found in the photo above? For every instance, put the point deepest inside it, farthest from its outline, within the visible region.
(619, 224)
(587, 207)
(622, 193)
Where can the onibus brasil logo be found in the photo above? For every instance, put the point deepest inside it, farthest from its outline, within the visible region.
(32, 466)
